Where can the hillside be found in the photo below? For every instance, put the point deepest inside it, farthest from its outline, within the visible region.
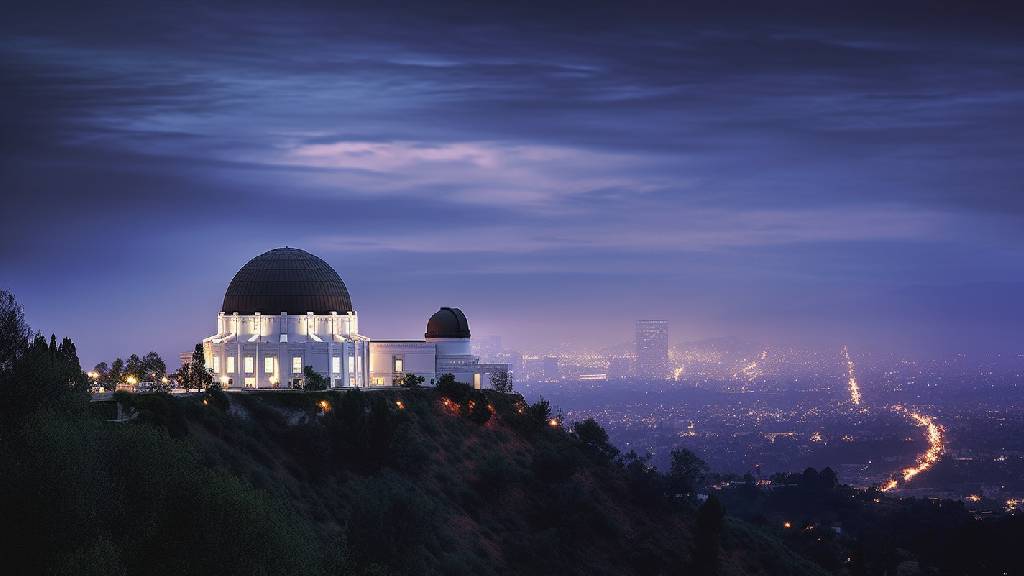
(389, 482)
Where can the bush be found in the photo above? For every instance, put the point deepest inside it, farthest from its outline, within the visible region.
(455, 391)
(594, 440)
(216, 397)
(313, 380)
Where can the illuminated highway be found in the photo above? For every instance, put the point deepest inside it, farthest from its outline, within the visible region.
(925, 460)
(929, 457)
(851, 378)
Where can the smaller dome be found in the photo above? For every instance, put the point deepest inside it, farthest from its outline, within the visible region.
(447, 323)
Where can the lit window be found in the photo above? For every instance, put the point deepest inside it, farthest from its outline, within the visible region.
(231, 364)
(296, 364)
(268, 364)
(216, 363)
(351, 364)
(250, 382)
(250, 364)
(335, 364)
(399, 364)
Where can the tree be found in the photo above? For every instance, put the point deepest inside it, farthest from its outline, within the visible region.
(502, 381)
(594, 439)
(201, 378)
(183, 376)
(707, 537)
(313, 380)
(455, 391)
(539, 412)
(687, 473)
(69, 369)
(37, 374)
(15, 333)
(154, 366)
(102, 372)
(193, 374)
(479, 408)
(115, 375)
(645, 483)
(412, 381)
(134, 367)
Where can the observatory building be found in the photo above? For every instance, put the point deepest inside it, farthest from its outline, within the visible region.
(287, 309)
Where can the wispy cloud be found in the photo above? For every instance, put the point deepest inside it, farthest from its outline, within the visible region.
(485, 173)
(686, 231)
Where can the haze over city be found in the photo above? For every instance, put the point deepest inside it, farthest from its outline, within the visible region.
(811, 175)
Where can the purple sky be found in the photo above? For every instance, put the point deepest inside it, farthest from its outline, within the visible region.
(801, 175)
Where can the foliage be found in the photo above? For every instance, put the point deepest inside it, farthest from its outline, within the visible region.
(96, 499)
(38, 375)
(457, 392)
(200, 377)
(15, 333)
(647, 486)
(594, 439)
(313, 380)
(412, 381)
(148, 368)
(396, 482)
(216, 397)
(687, 473)
(478, 407)
(115, 375)
(501, 381)
(707, 538)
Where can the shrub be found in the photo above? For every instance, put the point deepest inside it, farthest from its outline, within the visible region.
(216, 397)
(594, 440)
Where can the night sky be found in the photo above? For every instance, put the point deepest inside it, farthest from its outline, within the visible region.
(796, 174)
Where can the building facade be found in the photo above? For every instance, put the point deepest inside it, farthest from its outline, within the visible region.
(652, 349)
(287, 309)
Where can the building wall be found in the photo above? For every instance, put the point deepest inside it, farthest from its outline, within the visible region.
(390, 361)
(652, 349)
(246, 346)
(259, 351)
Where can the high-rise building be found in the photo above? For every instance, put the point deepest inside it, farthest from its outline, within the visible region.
(652, 349)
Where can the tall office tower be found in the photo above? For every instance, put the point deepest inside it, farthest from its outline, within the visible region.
(652, 349)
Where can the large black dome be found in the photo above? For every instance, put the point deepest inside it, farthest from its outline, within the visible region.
(447, 323)
(286, 280)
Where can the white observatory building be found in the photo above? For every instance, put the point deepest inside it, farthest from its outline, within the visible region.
(287, 309)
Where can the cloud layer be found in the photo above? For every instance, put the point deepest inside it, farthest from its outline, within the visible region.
(674, 154)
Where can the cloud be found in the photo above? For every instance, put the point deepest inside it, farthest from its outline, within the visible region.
(693, 230)
(486, 173)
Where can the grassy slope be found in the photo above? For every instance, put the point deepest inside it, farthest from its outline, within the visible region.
(271, 486)
(450, 496)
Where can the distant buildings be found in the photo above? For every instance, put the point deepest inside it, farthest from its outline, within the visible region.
(551, 371)
(487, 348)
(620, 367)
(652, 349)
